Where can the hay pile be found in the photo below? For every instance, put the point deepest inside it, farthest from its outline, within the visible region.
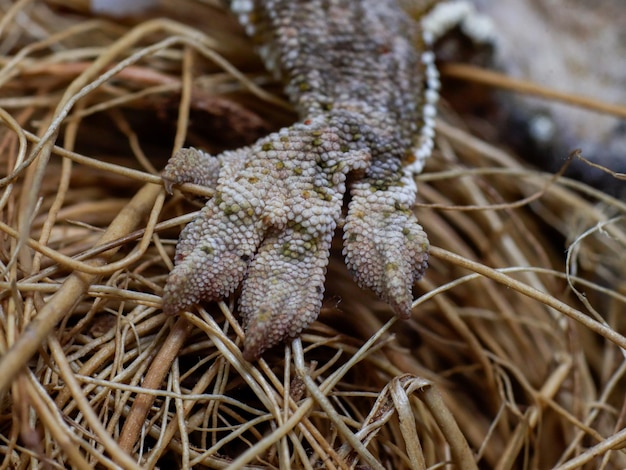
(513, 358)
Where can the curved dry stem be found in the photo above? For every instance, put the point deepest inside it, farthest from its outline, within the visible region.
(525, 289)
(503, 359)
(158, 370)
(66, 298)
(487, 77)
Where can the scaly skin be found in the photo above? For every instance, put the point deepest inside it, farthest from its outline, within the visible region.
(355, 71)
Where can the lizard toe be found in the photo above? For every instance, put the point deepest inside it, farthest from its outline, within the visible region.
(282, 293)
(385, 248)
(212, 257)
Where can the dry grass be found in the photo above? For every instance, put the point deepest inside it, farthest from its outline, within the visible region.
(513, 358)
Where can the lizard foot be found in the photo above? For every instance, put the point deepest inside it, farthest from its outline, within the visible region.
(270, 225)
